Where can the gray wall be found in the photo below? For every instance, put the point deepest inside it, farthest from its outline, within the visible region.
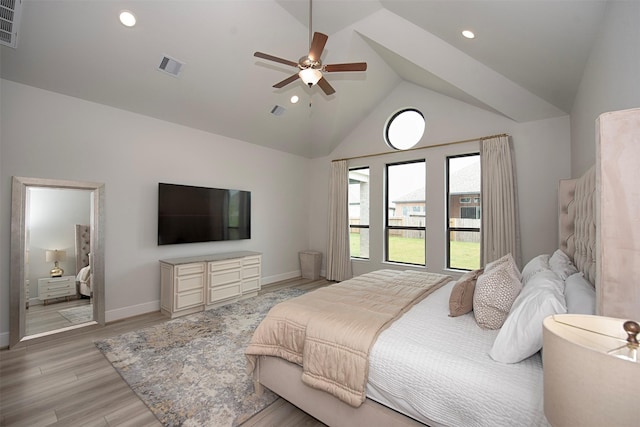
(47, 135)
(610, 81)
(542, 158)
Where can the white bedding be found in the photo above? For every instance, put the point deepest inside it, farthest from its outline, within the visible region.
(441, 367)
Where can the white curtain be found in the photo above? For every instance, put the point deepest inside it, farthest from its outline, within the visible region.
(500, 232)
(338, 256)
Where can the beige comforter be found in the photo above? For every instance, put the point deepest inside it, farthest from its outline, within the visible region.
(330, 331)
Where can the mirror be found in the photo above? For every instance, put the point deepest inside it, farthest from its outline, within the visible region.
(57, 257)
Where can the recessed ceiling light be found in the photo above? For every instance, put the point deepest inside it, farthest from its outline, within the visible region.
(294, 99)
(128, 19)
(468, 34)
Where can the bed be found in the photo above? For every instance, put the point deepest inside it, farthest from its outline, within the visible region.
(458, 378)
(466, 374)
(83, 261)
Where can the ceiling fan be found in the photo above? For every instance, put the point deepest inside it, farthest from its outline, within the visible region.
(310, 66)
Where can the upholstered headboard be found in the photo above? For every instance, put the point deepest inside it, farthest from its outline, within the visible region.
(83, 246)
(577, 222)
(599, 228)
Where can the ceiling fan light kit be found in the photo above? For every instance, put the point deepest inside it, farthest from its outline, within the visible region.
(310, 76)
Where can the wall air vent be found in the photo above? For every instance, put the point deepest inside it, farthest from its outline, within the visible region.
(169, 65)
(9, 20)
(277, 110)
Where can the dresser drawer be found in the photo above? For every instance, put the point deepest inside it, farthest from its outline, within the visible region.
(251, 260)
(224, 277)
(229, 264)
(221, 293)
(189, 299)
(52, 285)
(187, 283)
(187, 269)
(56, 287)
(250, 271)
(251, 285)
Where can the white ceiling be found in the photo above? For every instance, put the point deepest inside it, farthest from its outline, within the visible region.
(525, 63)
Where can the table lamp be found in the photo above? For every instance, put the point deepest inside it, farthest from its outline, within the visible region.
(56, 256)
(590, 375)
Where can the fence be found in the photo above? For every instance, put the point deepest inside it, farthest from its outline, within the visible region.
(419, 221)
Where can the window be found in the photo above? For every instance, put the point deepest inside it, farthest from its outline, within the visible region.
(404, 129)
(463, 229)
(359, 212)
(470, 212)
(405, 195)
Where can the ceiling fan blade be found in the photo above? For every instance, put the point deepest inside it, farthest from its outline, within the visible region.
(286, 81)
(317, 46)
(275, 59)
(325, 86)
(354, 66)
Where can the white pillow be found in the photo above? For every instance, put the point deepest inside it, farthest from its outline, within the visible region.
(562, 265)
(539, 263)
(83, 274)
(580, 295)
(495, 292)
(521, 334)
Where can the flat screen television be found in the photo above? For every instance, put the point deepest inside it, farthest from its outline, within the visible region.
(188, 214)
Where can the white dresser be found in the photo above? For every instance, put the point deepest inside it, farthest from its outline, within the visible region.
(189, 285)
(56, 287)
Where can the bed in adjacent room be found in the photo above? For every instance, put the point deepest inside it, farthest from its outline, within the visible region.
(452, 353)
(83, 254)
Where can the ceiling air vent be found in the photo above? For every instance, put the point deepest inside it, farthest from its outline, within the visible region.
(9, 20)
(169, 65)
(277, 110)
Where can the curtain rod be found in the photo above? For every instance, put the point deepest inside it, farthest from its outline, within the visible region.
(423, 148)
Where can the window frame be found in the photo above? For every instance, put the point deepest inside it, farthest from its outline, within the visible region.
(361, 226)
(398, 145)
(448, 228)
(388, 227)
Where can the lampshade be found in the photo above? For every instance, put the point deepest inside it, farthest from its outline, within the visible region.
(55, 255)
(310, 76)
(585, 385)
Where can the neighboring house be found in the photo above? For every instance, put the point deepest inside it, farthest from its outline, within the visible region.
(464, 194)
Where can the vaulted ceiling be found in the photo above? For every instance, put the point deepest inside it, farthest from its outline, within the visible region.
(525, 63)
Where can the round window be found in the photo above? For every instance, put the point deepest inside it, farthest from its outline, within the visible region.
(404, 129)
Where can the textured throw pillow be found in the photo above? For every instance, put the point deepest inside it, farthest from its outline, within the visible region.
(461, 298)
(539, 263)
(521, 335)
(562, 265)
(500, 262)
(580, 295)
(494, 294)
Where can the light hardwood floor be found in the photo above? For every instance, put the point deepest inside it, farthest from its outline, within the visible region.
(42, 318)
(64, 380)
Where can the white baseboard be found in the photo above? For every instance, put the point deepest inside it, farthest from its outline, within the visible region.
(132, 310)
(150, 307)
(279, 277)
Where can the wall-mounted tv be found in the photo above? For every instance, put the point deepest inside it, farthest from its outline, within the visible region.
(188, 214)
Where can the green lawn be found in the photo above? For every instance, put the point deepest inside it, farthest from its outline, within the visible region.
(464, 255)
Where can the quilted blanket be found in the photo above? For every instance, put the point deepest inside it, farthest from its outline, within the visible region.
(330, 331)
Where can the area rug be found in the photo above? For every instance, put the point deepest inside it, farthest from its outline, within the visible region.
(81, 314)
(191, 371)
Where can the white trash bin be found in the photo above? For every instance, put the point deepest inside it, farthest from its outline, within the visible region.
(310, 263)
